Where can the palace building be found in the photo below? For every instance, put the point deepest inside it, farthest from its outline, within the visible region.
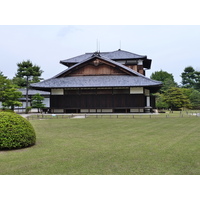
(102, 82)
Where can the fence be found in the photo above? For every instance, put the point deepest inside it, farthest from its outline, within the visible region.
(113, 116)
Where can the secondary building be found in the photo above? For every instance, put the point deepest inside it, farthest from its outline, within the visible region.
(102, 82)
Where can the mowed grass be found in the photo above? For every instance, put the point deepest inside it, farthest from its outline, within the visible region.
(109, 146)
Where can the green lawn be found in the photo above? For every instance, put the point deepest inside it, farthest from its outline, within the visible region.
(109, 146)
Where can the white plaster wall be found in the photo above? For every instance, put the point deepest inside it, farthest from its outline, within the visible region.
(136, 90)
(57, 91)
(58, 110)
(147, 92)
(46, 102)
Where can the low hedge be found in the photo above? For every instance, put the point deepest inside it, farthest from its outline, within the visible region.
(15, 131)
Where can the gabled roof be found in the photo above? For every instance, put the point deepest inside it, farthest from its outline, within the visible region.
(114, 55)
(97, 56)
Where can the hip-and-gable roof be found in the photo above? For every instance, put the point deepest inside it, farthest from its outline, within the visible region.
(94, 57)
(114, 55)
(69, 79)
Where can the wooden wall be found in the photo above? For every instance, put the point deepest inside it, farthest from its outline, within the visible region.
(97, 101)
(96, 70)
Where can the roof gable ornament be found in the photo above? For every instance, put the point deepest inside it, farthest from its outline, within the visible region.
(96, 53)
(96, 62)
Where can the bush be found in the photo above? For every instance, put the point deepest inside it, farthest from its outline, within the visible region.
(28, 109)
(15, 131)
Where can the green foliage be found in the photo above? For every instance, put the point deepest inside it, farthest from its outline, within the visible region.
(161, 76)
(29, 71)
(37, 101)
(194, 97)
(188, 77)
(166, 78)
(28, 109)
(9, 95)
(176, 99)
(15, 131)
(20, 82)
(191, 78)
(160, 103)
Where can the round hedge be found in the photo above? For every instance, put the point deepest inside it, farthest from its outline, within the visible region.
(15, 131)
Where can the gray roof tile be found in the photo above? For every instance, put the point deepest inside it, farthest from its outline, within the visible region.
(97, 81)
(114, 55)
(33, 92)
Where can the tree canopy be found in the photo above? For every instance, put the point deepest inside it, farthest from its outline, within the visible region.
(166, 78)
(27, 73)
(191, 78)
(175, 98)
(9, 95)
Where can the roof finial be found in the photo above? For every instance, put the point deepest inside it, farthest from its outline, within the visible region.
(119, 45)
(97, 45)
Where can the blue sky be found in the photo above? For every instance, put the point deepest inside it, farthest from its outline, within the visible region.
(171, 47)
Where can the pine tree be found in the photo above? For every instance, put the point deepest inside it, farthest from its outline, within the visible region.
(29, 72)
(37, 101)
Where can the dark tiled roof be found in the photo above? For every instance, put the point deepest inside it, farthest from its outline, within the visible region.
(115, 55)
(120, 54)
(97, 81)
(33, 92)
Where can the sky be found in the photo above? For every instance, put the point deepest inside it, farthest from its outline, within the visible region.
(171, 47)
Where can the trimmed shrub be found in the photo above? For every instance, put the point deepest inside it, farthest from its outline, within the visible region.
(15, 131)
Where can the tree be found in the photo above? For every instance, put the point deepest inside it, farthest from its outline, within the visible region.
(176, 99)
(194, 97)
(166, 78)
(188, 77)
(37, 101)
(197, 81)
(191, 78)
(26, 70)
(161, 76)
(9, 95)
(160, 103)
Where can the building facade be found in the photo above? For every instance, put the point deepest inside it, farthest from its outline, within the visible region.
(102, 82)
